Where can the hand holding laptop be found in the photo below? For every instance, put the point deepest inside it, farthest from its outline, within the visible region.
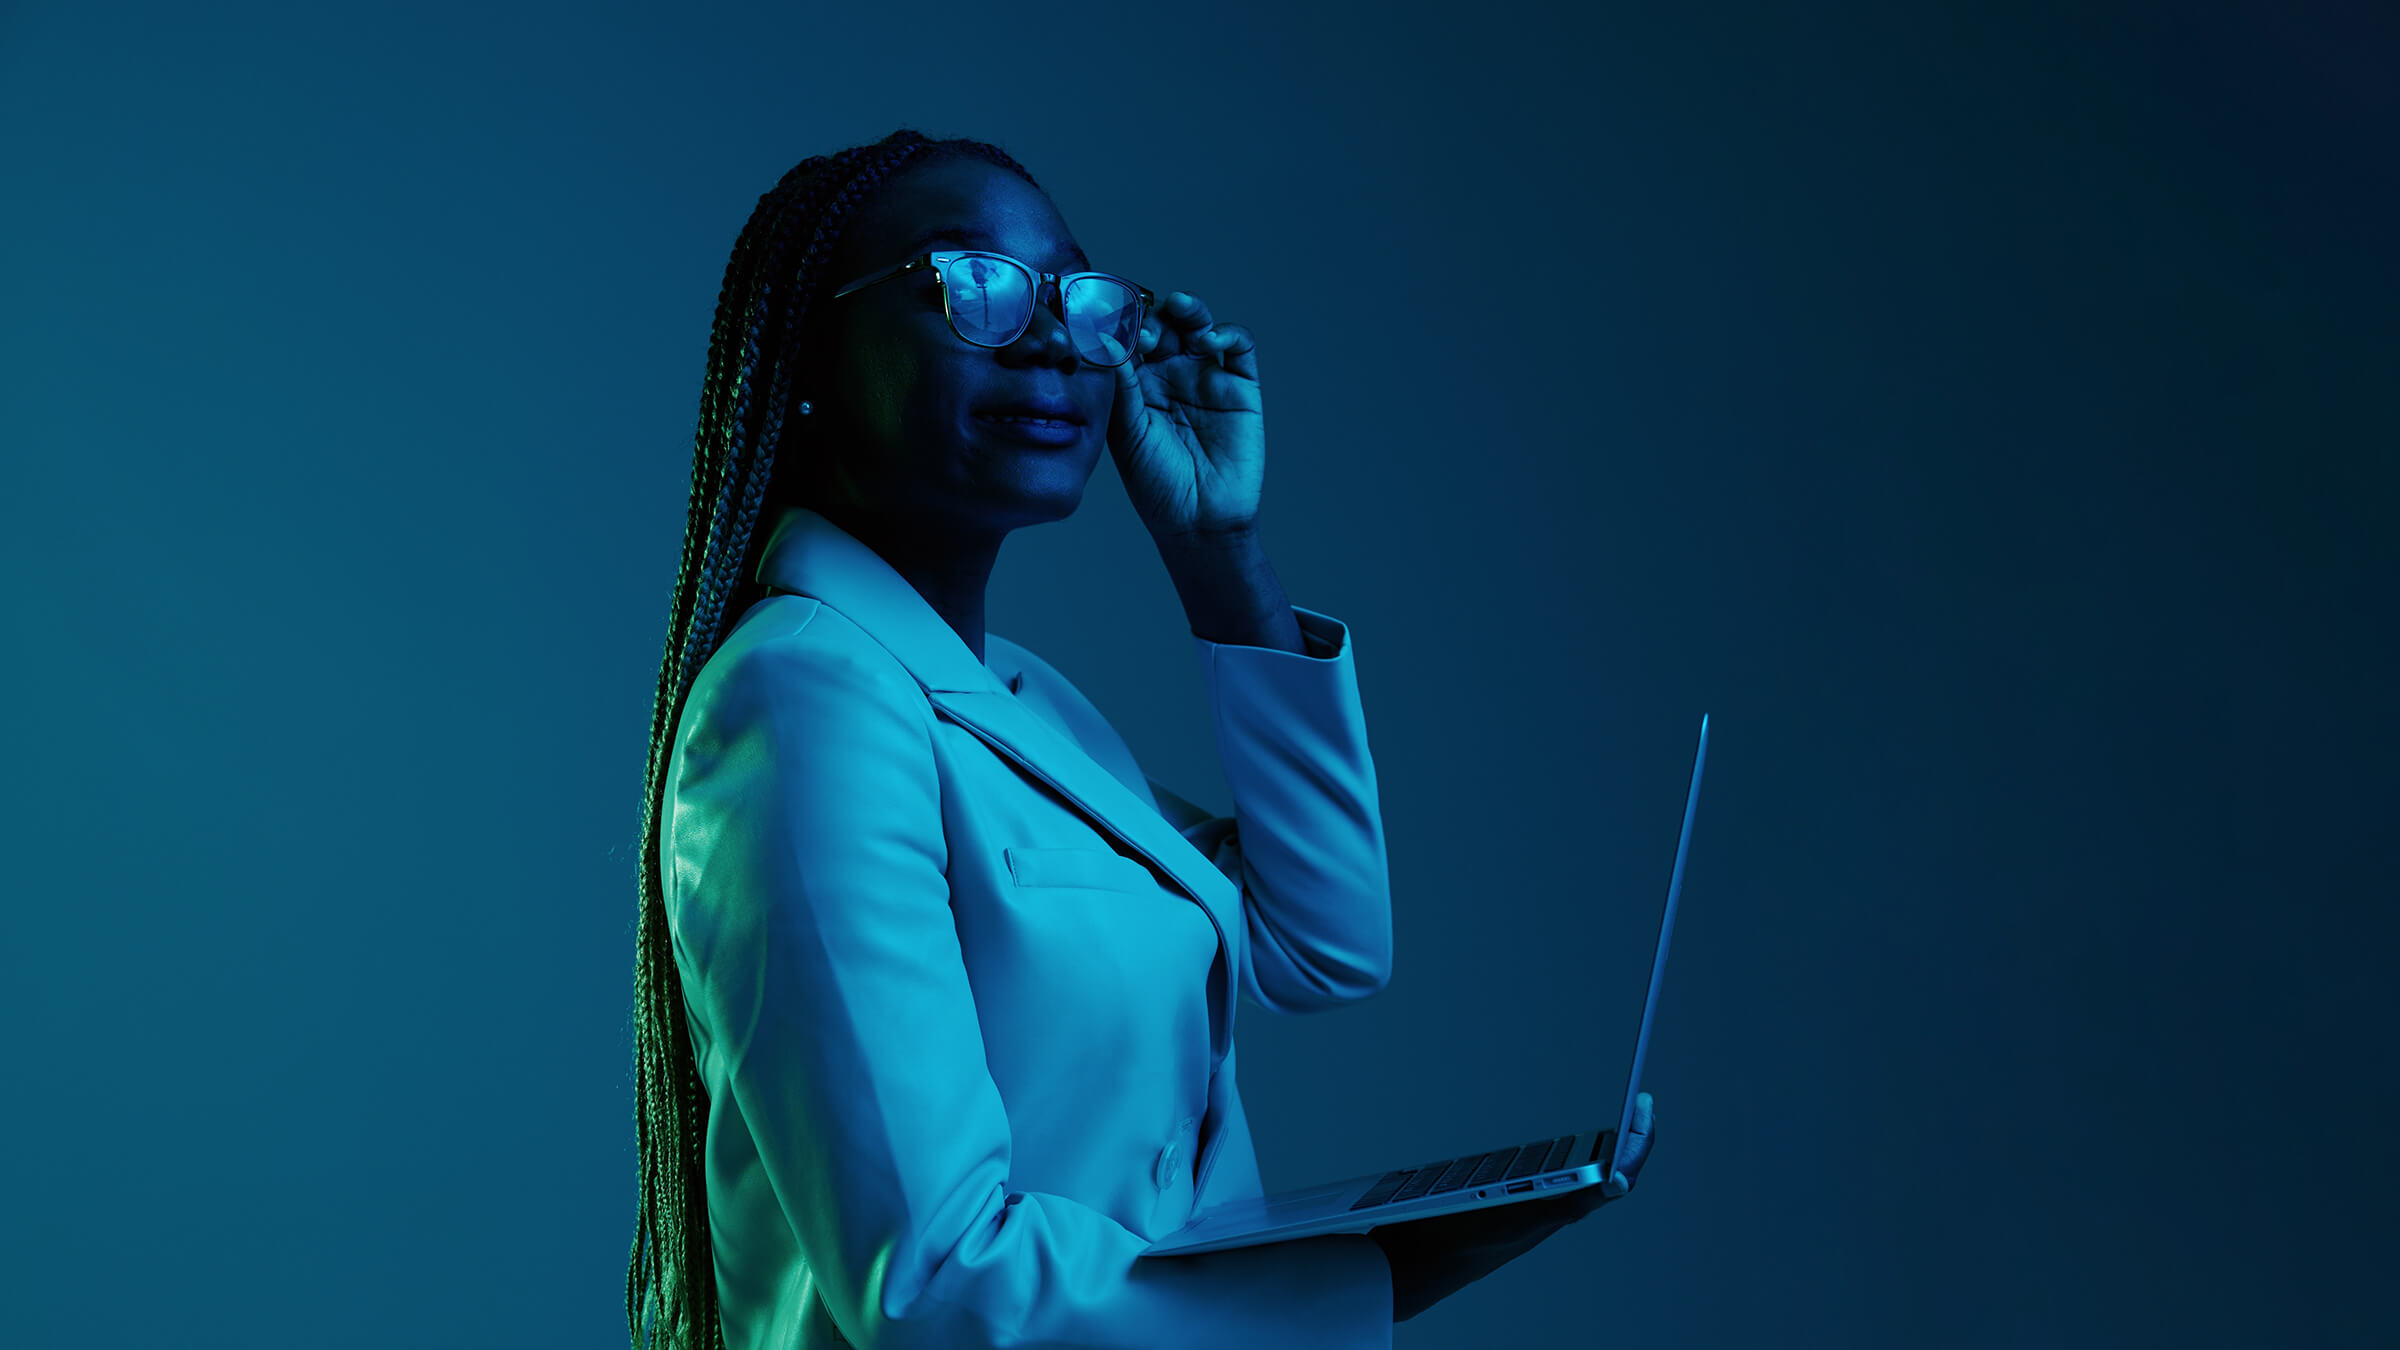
(1434, 1258)
(1444, 1225)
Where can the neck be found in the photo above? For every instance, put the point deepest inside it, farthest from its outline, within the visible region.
(948, 565)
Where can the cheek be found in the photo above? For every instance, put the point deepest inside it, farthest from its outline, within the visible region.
(890, 384)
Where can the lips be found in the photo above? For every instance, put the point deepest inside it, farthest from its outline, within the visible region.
(1033, 410)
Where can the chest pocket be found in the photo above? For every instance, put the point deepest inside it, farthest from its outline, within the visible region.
(1088, 868)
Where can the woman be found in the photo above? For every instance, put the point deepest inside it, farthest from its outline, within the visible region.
(935, 988)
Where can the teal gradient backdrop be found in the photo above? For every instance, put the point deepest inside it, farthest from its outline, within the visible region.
(1986, 417)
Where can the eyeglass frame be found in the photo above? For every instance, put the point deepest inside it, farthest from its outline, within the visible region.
(1056, 281)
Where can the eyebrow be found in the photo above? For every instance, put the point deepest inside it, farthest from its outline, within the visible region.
(977, 238)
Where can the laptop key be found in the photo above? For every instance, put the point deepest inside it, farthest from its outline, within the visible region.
(1421, 1182)
(1529, 1159)
(1382, 1190)
(1455, 1175)
(1558, 1154)
(1494, 1164)
(1475, 1169)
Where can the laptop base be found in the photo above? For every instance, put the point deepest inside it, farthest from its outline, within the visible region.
(1449, 1186)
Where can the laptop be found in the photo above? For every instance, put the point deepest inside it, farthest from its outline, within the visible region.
(1500, 1176)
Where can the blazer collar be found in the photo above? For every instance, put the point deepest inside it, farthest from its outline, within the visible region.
(809, 554)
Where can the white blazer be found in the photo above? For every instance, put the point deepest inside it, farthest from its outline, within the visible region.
(960, 978)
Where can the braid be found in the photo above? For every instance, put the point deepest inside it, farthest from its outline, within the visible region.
(670, 1276)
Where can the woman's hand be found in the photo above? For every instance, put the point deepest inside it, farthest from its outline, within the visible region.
(1188, 431)
(1434, 1258)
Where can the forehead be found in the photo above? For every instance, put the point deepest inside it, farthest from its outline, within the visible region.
(964, 202)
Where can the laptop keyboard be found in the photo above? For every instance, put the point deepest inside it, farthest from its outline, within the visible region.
(1476, 1169)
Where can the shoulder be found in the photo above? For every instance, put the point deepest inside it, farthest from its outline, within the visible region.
(794, 652)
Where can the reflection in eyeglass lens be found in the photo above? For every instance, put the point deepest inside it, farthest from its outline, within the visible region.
(1100, 318)
(989, 299)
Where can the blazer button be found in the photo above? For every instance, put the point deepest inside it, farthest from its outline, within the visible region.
(1165, 1173)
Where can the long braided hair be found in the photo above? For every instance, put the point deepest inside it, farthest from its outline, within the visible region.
(774, 275)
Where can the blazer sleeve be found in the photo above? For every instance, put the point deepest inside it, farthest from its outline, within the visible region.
(814, 935)
(1305, 840)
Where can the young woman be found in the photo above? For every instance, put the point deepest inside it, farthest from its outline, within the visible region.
(936, 989)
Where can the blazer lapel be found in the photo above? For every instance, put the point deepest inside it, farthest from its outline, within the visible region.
(1037, 748)
(808, 554)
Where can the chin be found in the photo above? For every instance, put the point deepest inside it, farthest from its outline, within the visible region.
(1042, 507)
(1012, 502)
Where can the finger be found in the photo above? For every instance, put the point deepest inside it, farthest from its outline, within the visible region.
(1184, 318)
(1237, 347)
(1129, 407)
(1165, 342)
(1636, 1148)
(1186, 311)
(1162, 340)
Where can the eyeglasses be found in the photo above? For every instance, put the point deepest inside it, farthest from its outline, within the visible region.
(989, 299)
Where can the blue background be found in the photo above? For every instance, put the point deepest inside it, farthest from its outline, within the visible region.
(1988, 417)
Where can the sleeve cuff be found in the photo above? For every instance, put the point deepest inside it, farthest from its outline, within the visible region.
(1322, 638)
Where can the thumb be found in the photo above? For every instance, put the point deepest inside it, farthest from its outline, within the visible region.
(1634, 1149)
(1125, 413)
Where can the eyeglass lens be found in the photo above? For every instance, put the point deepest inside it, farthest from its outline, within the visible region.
(991, 302)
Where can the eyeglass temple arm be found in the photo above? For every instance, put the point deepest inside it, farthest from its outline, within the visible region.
(871, 278)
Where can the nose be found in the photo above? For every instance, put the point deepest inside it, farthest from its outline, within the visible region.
(1044, 341)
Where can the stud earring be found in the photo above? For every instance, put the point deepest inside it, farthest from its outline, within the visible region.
(806, 408)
